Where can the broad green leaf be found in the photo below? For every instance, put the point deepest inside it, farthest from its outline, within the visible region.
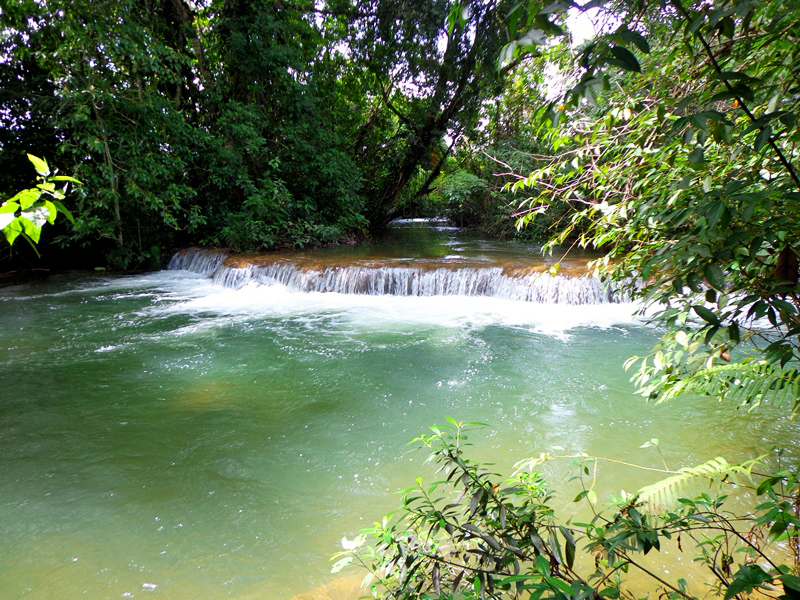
(63, 210)
(637, 40)
(696, 156)
(791, 582)
(695, 282)
(706, 314)
(715, 211)
(30, 228)
(12, 230)
(27, 198)
(747, 578)
(624, 59)
(763, 138)
(695, 25)
(40, 165)
(715, 276)
(778, 529)
(9, 206)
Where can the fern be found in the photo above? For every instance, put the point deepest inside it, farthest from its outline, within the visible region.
(748, 383)
(663, 495)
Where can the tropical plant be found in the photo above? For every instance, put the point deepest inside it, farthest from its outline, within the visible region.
(682, 166)
(473, 534)
(28, 211)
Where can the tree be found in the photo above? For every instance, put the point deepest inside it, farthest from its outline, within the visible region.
(676, 152)
(684, 170)
(213, 122)
(432, 74)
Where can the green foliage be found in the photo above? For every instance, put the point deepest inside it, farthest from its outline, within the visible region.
(662, 496)
(683, 169)
(28, 211)
(472, 534)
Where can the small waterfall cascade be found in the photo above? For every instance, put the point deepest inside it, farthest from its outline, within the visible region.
(419, 278)
(204, 261)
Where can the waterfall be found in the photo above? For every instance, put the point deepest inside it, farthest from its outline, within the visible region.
(425, 280)
(205, 261)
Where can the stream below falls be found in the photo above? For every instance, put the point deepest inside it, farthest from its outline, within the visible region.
(213, 430)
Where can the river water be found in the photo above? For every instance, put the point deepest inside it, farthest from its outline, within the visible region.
(180, 436)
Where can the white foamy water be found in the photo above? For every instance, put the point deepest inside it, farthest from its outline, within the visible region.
(377, 296)
(200, 296)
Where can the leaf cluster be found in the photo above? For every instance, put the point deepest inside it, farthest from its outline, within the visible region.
(28, 211)
(473, 534)
(681, 165)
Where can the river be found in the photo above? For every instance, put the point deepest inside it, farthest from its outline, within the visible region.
(180, 436)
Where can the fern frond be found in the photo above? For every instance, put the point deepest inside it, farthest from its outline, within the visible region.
(663, 495)
(748, 382)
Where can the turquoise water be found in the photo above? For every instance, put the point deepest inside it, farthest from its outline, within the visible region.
(164, 437)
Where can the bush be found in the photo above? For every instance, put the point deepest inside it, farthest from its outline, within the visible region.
(475, 535)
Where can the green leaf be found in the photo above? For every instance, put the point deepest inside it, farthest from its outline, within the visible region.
(696, 156)
(733, 333)
(28, 198)
(63, 210)
(477, 585)
(637, 40)
(763, 138)
(792, 582)
(12, 230)
(40, 165)
(569, 551)
(777, 530)
(695, 282)
(715, 276)
(624, 59)
(543, 565)
(695, 25)
(9, 206)
(65, 178)
(747, 578)
(706, 314)
(716, 211)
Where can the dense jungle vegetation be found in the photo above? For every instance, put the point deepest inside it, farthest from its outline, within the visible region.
(241, 123)
(669, 141)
